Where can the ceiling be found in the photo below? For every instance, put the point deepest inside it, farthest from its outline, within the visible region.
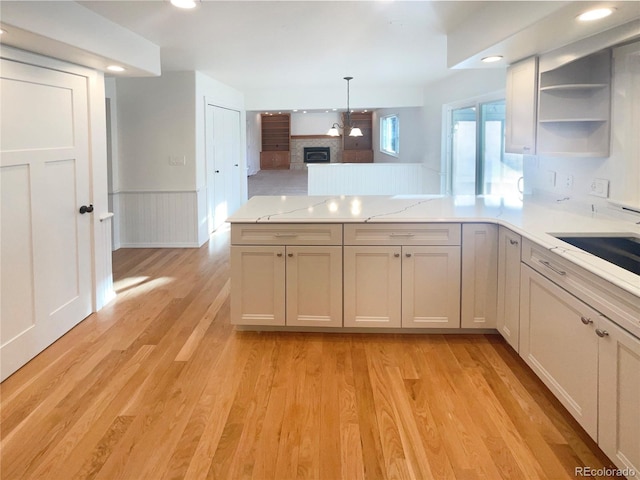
(268, 44)
(309, 45)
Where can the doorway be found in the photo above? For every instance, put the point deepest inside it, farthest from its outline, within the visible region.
(478, 164)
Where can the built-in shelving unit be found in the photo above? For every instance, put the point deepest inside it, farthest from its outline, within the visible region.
(574, 108)
(276, 141)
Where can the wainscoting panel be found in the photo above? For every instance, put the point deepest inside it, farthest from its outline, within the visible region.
(157, 219)
(366, 179)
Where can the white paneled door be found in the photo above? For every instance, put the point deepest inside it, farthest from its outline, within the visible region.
(222, 164)
(45, 282)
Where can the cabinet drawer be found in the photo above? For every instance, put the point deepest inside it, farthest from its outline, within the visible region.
(402, 234)
(289, 234)
(618, 305)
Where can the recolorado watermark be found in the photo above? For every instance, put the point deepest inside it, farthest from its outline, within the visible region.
(604, 472)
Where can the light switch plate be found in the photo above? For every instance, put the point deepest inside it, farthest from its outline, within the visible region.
(599, 188)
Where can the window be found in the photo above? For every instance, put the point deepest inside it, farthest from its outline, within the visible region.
(478, 164)
(389, 135)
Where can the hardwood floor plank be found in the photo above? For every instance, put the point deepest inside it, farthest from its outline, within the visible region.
(159, 385)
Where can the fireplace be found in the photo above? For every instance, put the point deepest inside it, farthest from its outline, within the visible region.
(317, 155)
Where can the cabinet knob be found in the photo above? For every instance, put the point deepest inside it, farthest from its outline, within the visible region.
(407, 255)
(513, 242)
(396, 255)
(602, 333)
(586, 321)
(279, 254)
(289, 254)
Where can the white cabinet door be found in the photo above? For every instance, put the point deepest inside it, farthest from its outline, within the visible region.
(431, 287)
(372, 286)
(619, 390)
(558, 341)
(45, 258)
(258, 285)
(508, 314)
(314, 286)
(521, 106)
(479, 275)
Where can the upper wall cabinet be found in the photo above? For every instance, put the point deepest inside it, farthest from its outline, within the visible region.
(521, 103)
(574, 108)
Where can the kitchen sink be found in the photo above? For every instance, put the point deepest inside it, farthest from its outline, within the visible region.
(623, 251)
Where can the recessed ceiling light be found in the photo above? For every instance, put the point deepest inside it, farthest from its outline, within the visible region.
(295, 110)
(595, 14)
(186, 4)
(1, 31)
(492, 58)
(115, 68)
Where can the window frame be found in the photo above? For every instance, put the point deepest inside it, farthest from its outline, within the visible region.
(383, 134)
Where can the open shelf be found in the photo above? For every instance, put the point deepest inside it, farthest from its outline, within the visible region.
(574, 108)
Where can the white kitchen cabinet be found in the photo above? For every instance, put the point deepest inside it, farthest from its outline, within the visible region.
(314, 286)
(431, 287)
(619, 396)
(558, 342)
(402, 275)
(402, 286)
(508, 307)
(479, 275)
(286, 275)
(258, 285)
(372, 289)
(521, 106)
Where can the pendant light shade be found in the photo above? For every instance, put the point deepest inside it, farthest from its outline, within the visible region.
(334, 131)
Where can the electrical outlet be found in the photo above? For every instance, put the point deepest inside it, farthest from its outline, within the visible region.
(599, 188)
(177, 161)
(567, 182)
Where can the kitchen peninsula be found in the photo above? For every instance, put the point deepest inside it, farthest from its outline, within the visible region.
(426, 264)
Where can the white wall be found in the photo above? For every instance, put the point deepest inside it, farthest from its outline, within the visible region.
(160, 190)
(463, 84)
(412, 136)
(313, 123)
(287, 99)
(156, 121)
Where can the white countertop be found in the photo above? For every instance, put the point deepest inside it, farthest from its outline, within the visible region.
(535, 220)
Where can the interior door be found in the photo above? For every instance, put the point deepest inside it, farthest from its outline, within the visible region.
(223, 164)
(45, 258)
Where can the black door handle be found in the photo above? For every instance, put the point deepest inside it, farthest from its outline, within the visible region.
(84, 209)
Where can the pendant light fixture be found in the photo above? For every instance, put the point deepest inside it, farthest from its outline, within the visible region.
(353, 131)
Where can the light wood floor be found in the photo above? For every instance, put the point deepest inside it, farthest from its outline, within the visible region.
(158, 385)
(278, 182)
